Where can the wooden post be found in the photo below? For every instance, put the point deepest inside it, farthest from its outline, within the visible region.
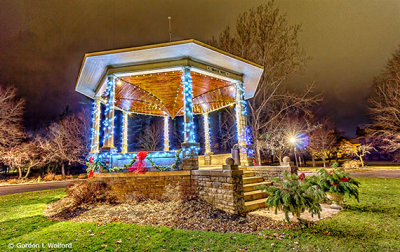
(109, 121)
(166, 133)
(241, 122)
(94, 145)
(207, 143)
(189, 146)
(124, 145)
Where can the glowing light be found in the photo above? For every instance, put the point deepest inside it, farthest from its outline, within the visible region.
(207, 143)
(166, 133)
(241, 114)
(108, 123)
(299, 141)
(119, 82)
(189, 127)
(94, 136)
(124, 145)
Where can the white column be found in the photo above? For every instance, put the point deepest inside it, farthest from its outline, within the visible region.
(166, 133)
(94, 146)
(207, 143)
(188, 106)
(109, 121)
(241, 123)
(124, 145)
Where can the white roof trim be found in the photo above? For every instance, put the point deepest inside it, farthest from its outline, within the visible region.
(95, 65)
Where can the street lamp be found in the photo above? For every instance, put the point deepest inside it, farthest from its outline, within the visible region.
(293, 141)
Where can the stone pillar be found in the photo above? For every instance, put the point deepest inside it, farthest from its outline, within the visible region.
(124, 145)
(189, 146)
(95, 134)
(166, 133)
(207, 142)
(241, 122)
(108, 141)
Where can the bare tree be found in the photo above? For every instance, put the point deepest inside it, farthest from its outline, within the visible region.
(151, 137)
(66, 141)
(384, 105)
(263, 35)
(227, 130)
(322, 142)
(12, 131)
(275, 140)
(24, 157)
(355, 150)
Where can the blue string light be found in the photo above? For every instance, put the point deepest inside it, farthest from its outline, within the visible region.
(94, 138)
(189, 127)
(108, 123)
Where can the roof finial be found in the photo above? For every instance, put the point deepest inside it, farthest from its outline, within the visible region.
(170, 29)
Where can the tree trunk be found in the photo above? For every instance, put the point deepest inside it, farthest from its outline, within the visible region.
(63, 169)
(27, 172)
(362, 161)
(280, 158)
(19, 173)
(323, 161)
(313, 160)
(257, 152)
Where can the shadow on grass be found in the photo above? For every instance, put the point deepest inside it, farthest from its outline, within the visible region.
(18, 227)
(372, 209)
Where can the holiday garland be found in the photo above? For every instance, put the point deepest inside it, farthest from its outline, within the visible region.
(174, 166)
(93, 165)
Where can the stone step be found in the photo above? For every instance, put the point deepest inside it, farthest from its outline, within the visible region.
(254, 195)
(251, 180)
(254, 204)
(254, 186)
(247, 174)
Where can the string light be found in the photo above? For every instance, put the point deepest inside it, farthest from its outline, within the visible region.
(94, 133)
(207, 133)
(124, 145)
(166, 133)
(241, 114)
(108, 123)
(189, 127)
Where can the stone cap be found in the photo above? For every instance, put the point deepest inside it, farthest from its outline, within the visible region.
(146, 174)
(219, 173)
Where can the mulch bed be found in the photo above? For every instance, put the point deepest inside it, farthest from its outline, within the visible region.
(190, 215)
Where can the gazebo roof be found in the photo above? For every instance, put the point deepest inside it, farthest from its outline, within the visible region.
(149, 76)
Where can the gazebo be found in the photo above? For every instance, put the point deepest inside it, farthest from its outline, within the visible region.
(181, 78)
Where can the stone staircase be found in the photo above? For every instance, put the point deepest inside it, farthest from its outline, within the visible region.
(253, 197)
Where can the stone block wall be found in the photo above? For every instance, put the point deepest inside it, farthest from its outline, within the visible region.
(221, 188)
(267, 172)
(149, 184)
(215, 159)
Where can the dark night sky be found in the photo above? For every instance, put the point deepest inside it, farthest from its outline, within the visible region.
(42, 44)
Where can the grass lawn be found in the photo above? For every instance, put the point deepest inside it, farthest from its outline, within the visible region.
(360, 169)
(372, 224)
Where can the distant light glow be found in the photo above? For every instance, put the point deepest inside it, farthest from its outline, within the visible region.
(300, 140)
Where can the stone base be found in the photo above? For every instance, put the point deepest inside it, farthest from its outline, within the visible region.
(190, 164)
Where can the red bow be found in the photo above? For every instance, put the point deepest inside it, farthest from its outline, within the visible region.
(91, 159)
(344, 179)
(139, 166)
(90, 174)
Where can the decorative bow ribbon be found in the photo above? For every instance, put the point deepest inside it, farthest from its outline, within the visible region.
(139, 166)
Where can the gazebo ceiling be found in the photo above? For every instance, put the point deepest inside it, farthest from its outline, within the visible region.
(161, 93)
(95, 67)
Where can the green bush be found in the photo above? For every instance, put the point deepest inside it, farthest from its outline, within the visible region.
(337, 181)
(294, 194)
